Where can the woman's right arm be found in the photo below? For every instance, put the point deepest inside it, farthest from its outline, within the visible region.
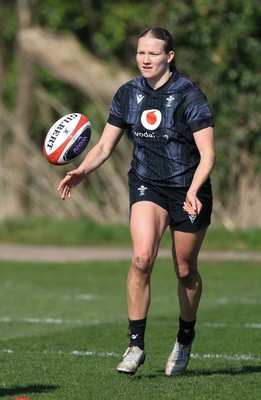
(93, 160)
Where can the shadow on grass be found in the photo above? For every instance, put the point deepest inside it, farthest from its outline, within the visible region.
(248, 369)
(27, 390)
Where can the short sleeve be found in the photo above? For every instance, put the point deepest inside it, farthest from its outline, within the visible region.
(115, 116)
(197, 112)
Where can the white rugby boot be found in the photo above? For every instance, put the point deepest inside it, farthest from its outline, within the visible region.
(133, 358)
(178, 359)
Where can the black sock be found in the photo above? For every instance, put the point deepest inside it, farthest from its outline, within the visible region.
(136, 332)
(186, 331)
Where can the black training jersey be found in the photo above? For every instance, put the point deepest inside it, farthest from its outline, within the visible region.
(160, 123)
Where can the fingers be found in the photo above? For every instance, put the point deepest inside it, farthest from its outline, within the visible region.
(70, 181)
(66, 185)
(66, 179)
(65, 191)
(193, 209)
(60, 186)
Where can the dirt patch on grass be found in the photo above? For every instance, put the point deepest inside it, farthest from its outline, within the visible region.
(17, 252)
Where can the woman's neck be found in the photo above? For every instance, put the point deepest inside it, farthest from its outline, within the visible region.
(157, 83)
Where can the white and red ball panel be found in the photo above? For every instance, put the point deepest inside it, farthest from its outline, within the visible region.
(67, 138)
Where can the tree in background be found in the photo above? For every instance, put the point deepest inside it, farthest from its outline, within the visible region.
(79, 64)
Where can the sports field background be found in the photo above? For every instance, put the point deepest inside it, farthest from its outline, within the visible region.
(63, 331)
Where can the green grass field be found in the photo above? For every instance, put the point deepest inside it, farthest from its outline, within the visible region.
(63, 331)
(88, 233)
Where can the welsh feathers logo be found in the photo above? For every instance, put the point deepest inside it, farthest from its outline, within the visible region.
(151, 119)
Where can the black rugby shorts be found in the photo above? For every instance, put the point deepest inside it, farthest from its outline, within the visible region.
(172, 199)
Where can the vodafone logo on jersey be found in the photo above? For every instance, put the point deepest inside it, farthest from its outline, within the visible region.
(151, 119)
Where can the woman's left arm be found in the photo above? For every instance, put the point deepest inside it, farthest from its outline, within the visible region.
(205, 143)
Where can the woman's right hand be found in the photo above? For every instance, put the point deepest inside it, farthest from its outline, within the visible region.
(72, 179)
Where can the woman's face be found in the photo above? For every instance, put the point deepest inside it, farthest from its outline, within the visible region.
(151, 58)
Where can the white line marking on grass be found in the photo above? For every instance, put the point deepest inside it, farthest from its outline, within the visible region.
(85, 353)
(239, 301)
(79, 353)
(236, 357)
(49, 321)
(255, 326)
(93, 353)
(224, 325)
(77, 297)
(60, 321)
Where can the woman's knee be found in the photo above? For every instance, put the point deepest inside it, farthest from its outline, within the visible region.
(142, 264)
(188, 275)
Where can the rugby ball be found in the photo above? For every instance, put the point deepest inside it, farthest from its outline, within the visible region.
(67, 138)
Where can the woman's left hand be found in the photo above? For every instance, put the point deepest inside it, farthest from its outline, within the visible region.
(192, 205)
